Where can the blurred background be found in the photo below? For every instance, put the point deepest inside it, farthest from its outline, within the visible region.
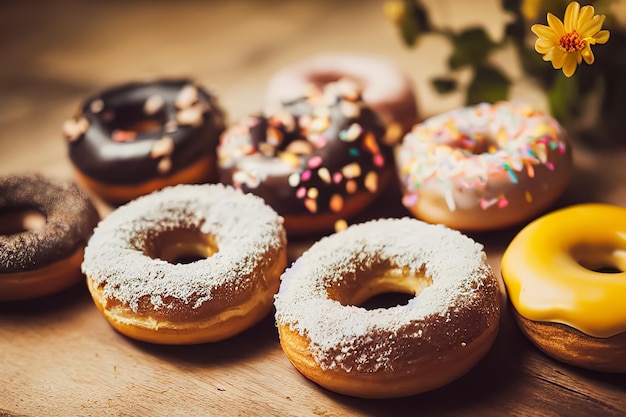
(54, 54)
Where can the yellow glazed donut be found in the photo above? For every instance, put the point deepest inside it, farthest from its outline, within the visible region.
(440, 334)
(483, 167)
(136, 276)
(565, 301)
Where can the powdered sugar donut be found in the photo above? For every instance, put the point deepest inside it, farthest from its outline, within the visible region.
(136, 278)
(484, 167)
(438, 336)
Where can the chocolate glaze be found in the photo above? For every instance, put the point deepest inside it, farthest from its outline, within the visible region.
(292, 196)
(100, 151)
(70, 220)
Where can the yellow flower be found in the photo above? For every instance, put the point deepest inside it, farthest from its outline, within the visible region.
(394, 10)
(567, 43)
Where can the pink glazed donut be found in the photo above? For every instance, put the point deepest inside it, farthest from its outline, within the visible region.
(386, 88)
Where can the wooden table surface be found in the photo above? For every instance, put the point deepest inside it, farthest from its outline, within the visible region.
(58, 356)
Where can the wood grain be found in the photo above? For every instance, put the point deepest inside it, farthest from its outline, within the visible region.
(59, 357)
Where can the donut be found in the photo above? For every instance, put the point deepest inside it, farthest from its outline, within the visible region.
(484, 167)
(440, 334)
(565, 279)
(44, 226)
(386, 88)
(186, 264)
(317, 160)
(138, 137)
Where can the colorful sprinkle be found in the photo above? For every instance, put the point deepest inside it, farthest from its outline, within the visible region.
(319, 124)
(378, 160)
(370, 144)
(502, 202)
(511, 174)
(349, 109)
(351, 186)
(409, 200)
(96, 106)
(371, 181)
(153, 104)
(351, 133)
(310, 205)
(353, 152)
(336, 203)
(324, 174)
(164, 166)
(313, 193)
(485, 204)
(528, 196)
(162, 147)
(340, 225)
(294, 179)
(337, 177)
(301, 192)
(306, 175)
(315, 161)
(352, 170)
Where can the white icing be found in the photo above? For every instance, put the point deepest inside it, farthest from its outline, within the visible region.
(455, 263)
(244, 227)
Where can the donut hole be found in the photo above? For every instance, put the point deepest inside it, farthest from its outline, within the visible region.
(476, 144)
(605, 259)
(131, 122)
(383, 288)
(181, 246)
(14, 220)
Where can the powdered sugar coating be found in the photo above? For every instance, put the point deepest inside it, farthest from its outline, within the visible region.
(245, 228)
(461, 301)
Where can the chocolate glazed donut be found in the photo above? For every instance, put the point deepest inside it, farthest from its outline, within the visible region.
(138, 137)
(316, 160)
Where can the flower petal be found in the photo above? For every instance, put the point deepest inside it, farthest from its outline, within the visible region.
(587, 55)
(602, 36)
(558, 58)
(548, 56)
(556, 25)
(569, 67)
(586, 13)
(591, 27)
(571, 16)
(545, 32)
(543, 45)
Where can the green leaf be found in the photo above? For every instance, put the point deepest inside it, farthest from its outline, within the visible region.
(489, 85)
(414, 22)
(471, 47)
(444, 85)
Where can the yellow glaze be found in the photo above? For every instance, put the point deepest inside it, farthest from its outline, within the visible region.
(549, 269)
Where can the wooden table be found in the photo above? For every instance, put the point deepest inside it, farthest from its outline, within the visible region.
(58, 356)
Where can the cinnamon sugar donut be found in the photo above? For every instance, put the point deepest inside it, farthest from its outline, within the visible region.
(138, 278)
(438, 336)
(317, 160)
(43, 258)
(484, 167)
(139, 137)
(386, 88)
